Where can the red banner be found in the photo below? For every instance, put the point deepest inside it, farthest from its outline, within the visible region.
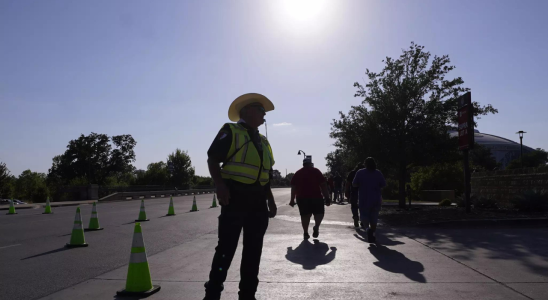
(466, 122)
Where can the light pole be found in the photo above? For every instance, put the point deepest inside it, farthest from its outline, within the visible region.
(299, 153)
(521, 132)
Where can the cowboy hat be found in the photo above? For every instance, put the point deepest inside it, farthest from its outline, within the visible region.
(246, 99)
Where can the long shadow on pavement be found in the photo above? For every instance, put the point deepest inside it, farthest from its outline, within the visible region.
(310, 255)
(524, 245)
(46, 253)
(395, 262)
(381, 238)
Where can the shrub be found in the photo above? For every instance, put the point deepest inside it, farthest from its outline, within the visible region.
(484, 202)
(459, 200)
(445, 202)
(533, 200)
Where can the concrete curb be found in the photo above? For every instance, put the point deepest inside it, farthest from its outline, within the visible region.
(53, 204)
(487, 223)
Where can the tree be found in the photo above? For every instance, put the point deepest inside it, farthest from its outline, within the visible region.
(404, 118)
(92, 159)
(533, 159)
(156, 174)
(6, 181)
(289, 177)
(31, 186)
(202, 181)
(183, 172)
(442, 176)
(482, 158)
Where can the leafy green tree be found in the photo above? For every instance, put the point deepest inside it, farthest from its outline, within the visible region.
(482, 158)
(202, 181)
(92, 159)
(156, 174)
(442, 176)
(183, 172)
(6, 182)
(533, 159)
(406, 114)
(31, 186)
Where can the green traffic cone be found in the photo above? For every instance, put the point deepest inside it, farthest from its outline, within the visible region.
(77, 238)
(48, 207)
(214, 202)
(94, 220)
(142, 213)
(12, 209)
(171, 210)
(194, 206)
(138, 281)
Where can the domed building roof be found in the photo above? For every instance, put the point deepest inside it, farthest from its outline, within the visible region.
(504, 150)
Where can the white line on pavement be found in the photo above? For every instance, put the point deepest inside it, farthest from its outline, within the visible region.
(10, 246)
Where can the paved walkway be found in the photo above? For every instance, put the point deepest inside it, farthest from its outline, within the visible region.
(489, 263)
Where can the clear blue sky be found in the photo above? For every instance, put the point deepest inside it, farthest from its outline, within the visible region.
(166, 71)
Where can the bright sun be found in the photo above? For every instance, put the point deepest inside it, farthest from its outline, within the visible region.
(302, 10)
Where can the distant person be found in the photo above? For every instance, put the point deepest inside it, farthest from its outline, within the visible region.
(338, 181)
(331, 185)
(308, 185)
(352, 193)
(369, 182)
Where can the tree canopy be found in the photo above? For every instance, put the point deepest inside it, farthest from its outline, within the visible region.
(405, 116)
(533, 159)
(94, 158)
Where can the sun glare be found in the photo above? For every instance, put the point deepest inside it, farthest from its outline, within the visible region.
(302, 16)
(302, 10)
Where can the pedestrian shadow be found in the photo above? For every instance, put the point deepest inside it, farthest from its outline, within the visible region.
(395, 262)
(381, 239)
(310, 255)
(46, 253)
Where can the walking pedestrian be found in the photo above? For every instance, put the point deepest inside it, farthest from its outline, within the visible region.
(352, 193)
(369, 182)
(243, 188)
(338, 181)
(308, 185)
(331, 185)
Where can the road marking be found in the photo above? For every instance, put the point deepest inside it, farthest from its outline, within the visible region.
(10, 246)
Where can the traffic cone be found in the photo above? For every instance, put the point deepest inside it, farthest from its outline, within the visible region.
(138, 282)
(214, 202)
(11, 211)
(142, 213)
(171, 210)
(77, 238)
(194, 206)
(94, 221)
(48, 207)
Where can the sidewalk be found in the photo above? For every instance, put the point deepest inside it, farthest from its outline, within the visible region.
(406, 264)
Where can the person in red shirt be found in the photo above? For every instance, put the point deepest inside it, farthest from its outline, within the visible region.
(308, 185)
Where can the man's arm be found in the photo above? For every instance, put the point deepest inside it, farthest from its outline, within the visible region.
(293, 194)
(215, 171)
(355, 182)
(325, 192)
(272, 208)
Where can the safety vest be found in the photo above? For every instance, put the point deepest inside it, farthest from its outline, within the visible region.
(244, 164)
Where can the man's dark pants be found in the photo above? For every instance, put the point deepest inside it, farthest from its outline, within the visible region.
(244, 212)
(354, 205)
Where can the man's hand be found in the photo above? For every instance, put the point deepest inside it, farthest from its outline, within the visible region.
(327, 201)
(292, 203)
(272, 209)
(223, 193)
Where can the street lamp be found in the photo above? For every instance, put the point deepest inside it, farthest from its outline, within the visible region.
(299, 153)
(521, 132)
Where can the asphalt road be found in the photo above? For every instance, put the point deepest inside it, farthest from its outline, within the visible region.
(33, 257)
(406, 263)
